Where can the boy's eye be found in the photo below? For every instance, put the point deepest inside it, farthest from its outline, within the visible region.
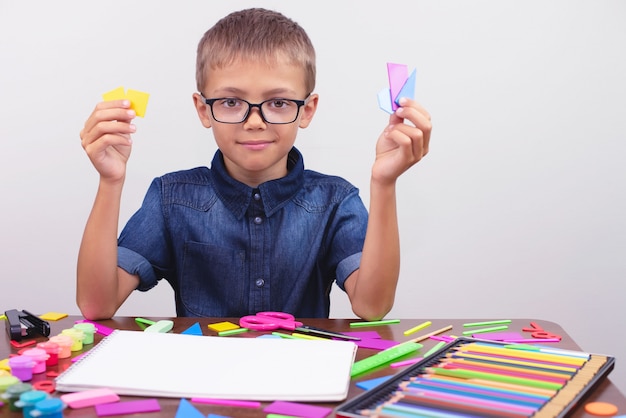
(231, 103)
(279, 103)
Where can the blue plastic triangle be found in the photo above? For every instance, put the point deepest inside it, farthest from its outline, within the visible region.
(408, 89)
(187, 410)
(193, 330)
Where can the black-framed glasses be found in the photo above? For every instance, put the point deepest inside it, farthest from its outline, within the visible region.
(275, 111)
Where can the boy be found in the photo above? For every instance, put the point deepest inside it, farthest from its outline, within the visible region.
(256, 231)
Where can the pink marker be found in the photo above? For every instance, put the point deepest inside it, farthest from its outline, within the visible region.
(89, 398)
(533, 340)
(406, 362)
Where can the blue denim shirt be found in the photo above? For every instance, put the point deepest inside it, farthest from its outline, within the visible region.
(230, 250)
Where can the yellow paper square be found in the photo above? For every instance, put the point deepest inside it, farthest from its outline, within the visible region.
(53, 316)
(138, 101)
(117, 94)
(223, 326)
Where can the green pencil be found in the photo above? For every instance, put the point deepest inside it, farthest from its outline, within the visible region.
(374, 323)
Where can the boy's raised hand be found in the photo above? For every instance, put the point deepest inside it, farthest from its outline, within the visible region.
(106, 138)
(402, 144)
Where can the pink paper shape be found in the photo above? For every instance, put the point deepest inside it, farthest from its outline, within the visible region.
(398, 74)
(498, 336)
(131, 407)
(297, 409)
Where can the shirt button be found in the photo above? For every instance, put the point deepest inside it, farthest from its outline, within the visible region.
(257, 196)
(258, 220)
(259, 282)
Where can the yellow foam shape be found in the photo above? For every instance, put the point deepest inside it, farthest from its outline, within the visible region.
(4, 364)
(138, 99)
(53, 316)
(117, 94)
(223, 326)
(3, 316)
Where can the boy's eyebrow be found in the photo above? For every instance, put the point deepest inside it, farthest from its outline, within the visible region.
(280, 91)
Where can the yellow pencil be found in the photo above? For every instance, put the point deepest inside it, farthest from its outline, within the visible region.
(425, 336)
(418, 328)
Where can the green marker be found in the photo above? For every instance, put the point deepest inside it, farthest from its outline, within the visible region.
(374, 323)
(232, 332)
(434, 349)
(144, 321)
(490, 329)
(487, 323)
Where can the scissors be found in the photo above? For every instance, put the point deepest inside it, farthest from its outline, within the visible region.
(265, 321)
(538, 332)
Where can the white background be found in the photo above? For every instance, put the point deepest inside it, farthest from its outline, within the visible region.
(517, 212)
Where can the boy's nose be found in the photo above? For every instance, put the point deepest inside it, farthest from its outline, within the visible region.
(255, 117)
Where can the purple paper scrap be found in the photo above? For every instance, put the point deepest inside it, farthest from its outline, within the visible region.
(297, 409)
(376, 344)
(130, 407)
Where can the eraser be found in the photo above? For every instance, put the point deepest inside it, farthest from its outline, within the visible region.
(165, 325)
(89, 398)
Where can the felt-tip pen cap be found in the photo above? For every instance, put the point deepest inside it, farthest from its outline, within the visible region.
(88, 331)
(22, 367)
(65, 343)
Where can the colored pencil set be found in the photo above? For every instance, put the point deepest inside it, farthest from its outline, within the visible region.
(478, 378)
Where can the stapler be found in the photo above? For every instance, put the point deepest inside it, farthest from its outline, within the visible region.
(25, 324)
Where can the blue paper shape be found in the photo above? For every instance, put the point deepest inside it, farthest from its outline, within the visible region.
(193, 330)
(408, 89)
(388, 103)
(368, 384)
(187, 410)
(384, 100)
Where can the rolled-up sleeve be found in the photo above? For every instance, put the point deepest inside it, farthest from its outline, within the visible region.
(143, 245)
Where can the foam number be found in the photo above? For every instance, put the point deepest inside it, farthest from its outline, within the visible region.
(401, 84)
(138, 99)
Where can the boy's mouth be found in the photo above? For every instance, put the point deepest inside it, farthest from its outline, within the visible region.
(256, 145)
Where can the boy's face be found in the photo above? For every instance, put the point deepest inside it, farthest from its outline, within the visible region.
(256, 151)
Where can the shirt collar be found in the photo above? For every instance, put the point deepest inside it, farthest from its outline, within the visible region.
(236, 196)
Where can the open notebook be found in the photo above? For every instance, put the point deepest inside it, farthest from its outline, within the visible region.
(181, 365)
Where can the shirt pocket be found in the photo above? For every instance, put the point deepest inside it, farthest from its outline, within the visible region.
(212, 281)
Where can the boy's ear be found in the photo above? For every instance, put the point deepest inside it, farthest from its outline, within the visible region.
(203, 110)
(308, 110)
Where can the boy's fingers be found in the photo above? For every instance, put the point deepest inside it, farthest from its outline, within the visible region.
(106, 128)
(107, 111)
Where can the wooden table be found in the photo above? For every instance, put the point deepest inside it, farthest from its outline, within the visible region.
(606, 391)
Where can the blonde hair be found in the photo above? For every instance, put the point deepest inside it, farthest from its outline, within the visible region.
(257, 34)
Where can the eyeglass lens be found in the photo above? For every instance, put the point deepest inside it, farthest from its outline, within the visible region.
(230, 110)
